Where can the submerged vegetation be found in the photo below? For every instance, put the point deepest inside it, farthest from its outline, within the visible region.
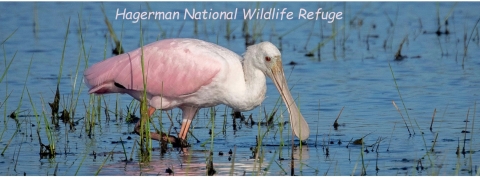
(50, 117)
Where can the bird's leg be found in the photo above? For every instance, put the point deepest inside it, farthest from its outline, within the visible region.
(151, 110)
(184, 129)
(187, 117)
(154, 135)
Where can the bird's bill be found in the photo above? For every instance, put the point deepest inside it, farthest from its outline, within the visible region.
(298, 123)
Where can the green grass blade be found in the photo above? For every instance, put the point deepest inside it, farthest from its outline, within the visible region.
(63, 52)
(8, 37)
(7, 66)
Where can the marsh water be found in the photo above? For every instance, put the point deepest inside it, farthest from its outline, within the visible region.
(349, 63)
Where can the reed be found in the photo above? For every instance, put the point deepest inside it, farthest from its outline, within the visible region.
(81, 162)
(161, 30)
(118, 113)
(398, 56)
(110, 154)
(118, 44)
(124, 151)
(228, 30)
(92, 111)
(433, 118)
(415, 120)
(106, 111)
(16, 112)
(393, 24)
(209, 161)
(434, 142)
(5, 71)
(267, 168)
(471, 151)
(210, 169)
(465, 132)
(376, 161)
(94, 102)
(133, 149)
(335, 124)
(334, 40)
(56, 101)
(282, 141)
(4, 114)
(9, 141)
(212, 129)
(400, 95)
(17, 109)
(18, 152)
(145, 137)
(63, 53)
(211, 113)
(457, 165)
(364, 169)
(401, 115)
(50, 149)
(83, 52)
(5, 40)
(195, 27)
(258, 150)
(281, 168)
(356, 163)
(467, 42)
(321, 44)
(309, 36)
(49, 131)
(7, 66)
(391, 135)
(224, 126)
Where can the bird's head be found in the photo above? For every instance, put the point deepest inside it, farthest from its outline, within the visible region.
(267, 58)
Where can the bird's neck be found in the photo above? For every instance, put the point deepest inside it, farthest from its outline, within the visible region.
(255, 87)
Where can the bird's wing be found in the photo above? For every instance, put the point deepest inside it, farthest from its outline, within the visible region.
(171, 67)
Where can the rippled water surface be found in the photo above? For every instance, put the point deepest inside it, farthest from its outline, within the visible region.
(348, 64)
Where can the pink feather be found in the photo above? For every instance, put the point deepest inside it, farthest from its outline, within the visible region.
(173, 67)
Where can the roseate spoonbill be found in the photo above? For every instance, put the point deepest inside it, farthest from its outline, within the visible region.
(191, 74)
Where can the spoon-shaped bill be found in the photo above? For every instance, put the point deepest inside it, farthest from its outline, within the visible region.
(298, 123)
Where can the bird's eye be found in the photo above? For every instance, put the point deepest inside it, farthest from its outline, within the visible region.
(268, 59)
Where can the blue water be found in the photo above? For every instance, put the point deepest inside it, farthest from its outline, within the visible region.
(352, 68)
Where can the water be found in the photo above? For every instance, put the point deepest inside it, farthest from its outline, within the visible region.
(351, 70)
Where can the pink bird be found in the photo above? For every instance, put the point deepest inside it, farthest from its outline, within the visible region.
(191, 74)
